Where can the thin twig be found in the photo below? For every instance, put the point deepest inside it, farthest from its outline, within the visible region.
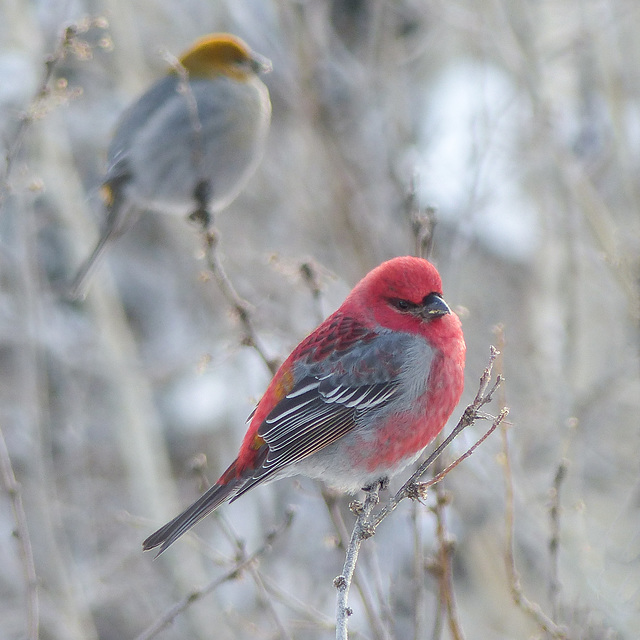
(442, 567)
(65, 44)
(381, 591)
(419, 583)
(311, 277)
(504, 412)
(204, 216)
(265, 599)
(423, 221)
(447, 598)
(555, 511)
(365, 525)
(315, 617)
(241, 554)
(12, 487)
(182, 605)
(470, 415)
(361, 531)
(199, 463)
(359, 579)
(241, 307)
(532, 609)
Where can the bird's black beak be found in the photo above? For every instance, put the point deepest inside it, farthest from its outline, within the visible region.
(433, 306)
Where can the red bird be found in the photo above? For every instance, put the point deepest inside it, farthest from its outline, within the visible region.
(358, 399)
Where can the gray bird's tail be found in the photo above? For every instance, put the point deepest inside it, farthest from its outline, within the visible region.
(203, 506)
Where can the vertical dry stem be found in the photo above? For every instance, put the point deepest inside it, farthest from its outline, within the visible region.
(12, 487)
(361, 531)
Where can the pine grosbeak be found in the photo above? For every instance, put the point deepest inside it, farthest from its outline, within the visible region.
(358, 399)
(186, 147)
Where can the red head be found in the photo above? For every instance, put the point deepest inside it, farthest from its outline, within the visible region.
(405, 294)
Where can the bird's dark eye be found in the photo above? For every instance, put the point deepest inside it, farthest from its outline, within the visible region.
(402, 305)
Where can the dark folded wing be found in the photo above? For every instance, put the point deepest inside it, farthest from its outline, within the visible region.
(316, 413)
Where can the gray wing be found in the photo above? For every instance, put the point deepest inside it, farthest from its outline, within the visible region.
(331, 400)
(132, 120)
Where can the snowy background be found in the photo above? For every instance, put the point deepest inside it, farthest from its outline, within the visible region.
(520, 123)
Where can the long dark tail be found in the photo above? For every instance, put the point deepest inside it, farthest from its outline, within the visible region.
(78, 288)
(204, 505)
(121, 216)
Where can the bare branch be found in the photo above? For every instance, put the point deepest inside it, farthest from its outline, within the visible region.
(315, 617)
(442, 568)
(446, 546)
(67, 43)
(532, 609)
(554, 539)
(365, 525)
(240, 306)
(360, 580)
(12, 487)
(555, 512)
(419, 583)
(470, 415)
(423, 221)
(258, 579)
(182, 605)
(361, 531)
(204, 217)
(422, 486)
(311, 277)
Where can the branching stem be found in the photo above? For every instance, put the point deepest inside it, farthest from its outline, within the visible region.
(366, 524)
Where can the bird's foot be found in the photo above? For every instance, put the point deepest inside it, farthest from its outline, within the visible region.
(201, 195)
(379, 485)
(202, 217)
